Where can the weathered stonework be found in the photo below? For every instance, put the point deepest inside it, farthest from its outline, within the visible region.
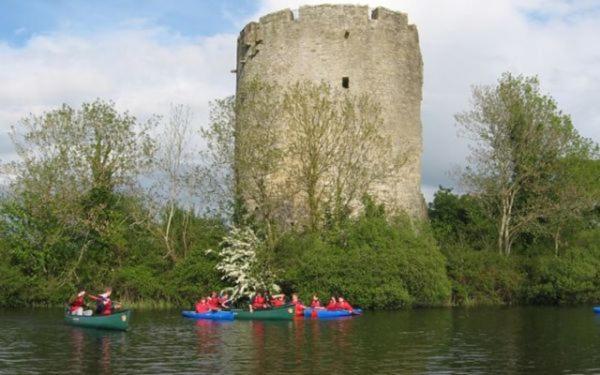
(378, 53)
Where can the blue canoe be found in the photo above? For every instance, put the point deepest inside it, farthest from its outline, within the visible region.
(213, 315)
(329, 314)
(597, 309)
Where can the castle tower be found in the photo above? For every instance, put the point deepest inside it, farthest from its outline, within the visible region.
(352, 49)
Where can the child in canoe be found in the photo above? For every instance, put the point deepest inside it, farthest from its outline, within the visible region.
(104, 305)
(201, 306)
(316, 303)
(344, 305)
(224, 301)
(277, 300)
(214, 304)
(258, 302)
(298, 306)
(332, 305)
(76, 306)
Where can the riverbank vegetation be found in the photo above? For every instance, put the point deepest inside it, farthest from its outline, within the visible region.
(98, 197)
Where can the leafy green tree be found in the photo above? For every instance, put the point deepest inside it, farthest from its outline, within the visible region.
(519, 141)
(460, 220)
(73, 167)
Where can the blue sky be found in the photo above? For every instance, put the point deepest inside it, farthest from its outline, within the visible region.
(148, 54)
(20, 20)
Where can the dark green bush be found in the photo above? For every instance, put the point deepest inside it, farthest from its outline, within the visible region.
(483, 277)
(374, 262)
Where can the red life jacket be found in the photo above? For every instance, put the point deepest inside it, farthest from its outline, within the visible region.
(299, 308)
(259, 302)
(316, 303)
(107, 307)
(201, 307)
(345, 306)
(331, 306)
(213, 303)
(77, 303)
(277, 302)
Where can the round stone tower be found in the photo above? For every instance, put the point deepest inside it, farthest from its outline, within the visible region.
(351, 48)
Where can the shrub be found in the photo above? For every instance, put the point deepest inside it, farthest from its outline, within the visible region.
(374, 262)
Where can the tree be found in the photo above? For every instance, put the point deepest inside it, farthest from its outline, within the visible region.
(575, 193)
(241, 263)
(519, 140)
(73, 165)
(176, 175)
(336, 148)
(217, 178)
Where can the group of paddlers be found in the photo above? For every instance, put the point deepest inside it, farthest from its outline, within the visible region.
(264, 301)
(214, 302)
(104, 305)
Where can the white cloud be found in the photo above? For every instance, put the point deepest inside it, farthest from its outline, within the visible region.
(142, 70)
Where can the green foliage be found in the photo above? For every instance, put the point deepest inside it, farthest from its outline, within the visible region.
(370, 260)
(460, 219)
(483, 277)
(571, 278)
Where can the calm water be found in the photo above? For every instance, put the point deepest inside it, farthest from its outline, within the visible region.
(500, 340)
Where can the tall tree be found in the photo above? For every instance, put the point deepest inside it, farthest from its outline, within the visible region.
(72, 165)
(519, 141)
(174, 165)
(336, 147)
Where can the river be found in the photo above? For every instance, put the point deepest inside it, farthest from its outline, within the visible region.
(542, 340)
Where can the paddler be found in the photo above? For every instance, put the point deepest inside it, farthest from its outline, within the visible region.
(224, 301)
(298, 306)
(201, 306)
(333, 304)
(315, 303)
(344, 305)
(258, 303)
(213, 302)
(277, 300)
(104, 305)
(76, 306)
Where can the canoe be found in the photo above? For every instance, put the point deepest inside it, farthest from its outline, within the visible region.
(330, 314)
(597, 309)
(212, 315)
(279, 313)
(116, 321)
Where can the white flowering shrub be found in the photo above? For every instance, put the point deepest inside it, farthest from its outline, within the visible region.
(240, 264)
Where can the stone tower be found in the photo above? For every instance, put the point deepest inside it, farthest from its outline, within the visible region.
(352, 48)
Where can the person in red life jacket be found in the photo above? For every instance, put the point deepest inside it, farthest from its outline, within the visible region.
(104, 305)
(298, 306)
(224, 301)
(277, 300)
(315, 303)
(201, 306)
(344, 305)
(76, 306)
(332, 305)
(213, 302)
(258, 303)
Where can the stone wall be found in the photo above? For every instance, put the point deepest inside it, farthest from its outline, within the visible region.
(375, 52)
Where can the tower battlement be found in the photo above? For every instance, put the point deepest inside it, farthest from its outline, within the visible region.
(326, 13)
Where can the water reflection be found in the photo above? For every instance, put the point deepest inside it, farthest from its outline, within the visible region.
(92, 349)
(511, 340)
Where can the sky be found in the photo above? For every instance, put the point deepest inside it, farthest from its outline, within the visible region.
(148, 55)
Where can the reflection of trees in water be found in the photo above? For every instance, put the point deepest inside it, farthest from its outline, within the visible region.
(211, 344)
(92, 350)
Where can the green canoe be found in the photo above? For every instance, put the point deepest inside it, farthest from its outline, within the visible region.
(279, 313)
(117, 321)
